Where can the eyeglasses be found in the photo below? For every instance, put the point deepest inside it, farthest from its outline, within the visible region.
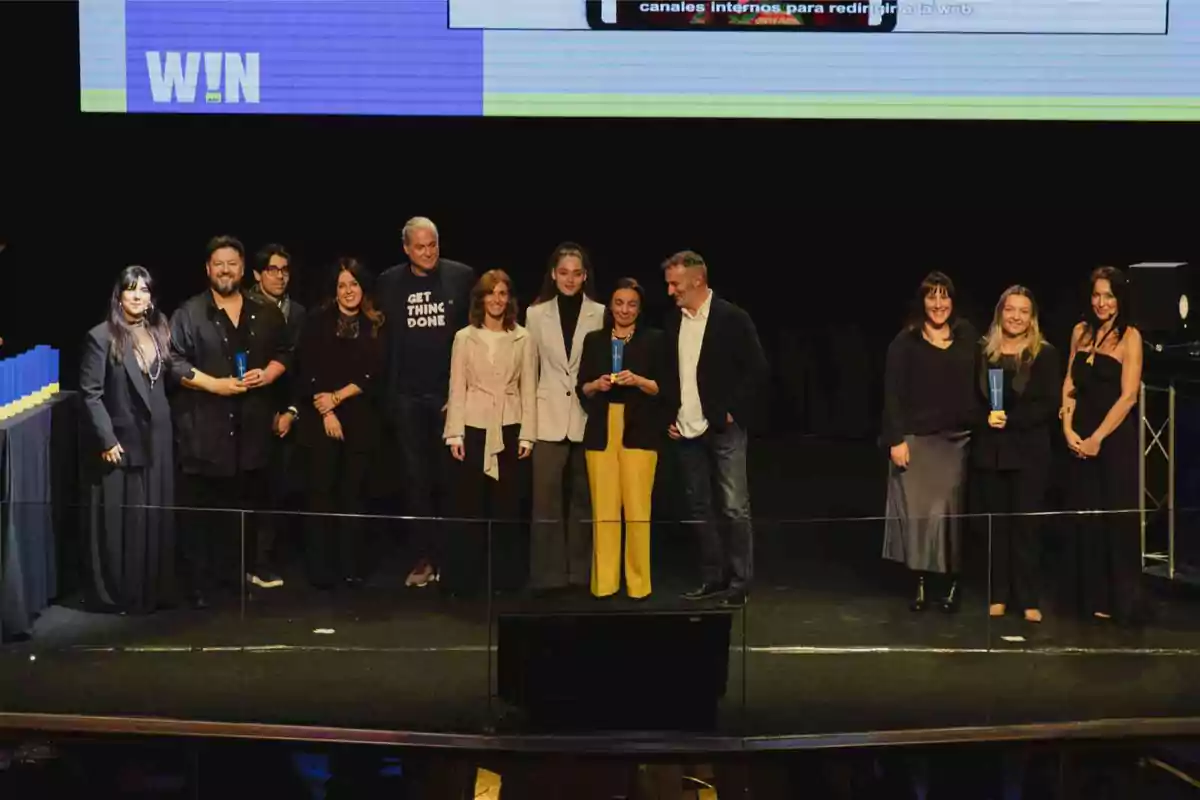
(275, 270)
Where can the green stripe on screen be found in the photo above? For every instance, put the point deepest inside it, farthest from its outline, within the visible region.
(102, 100)
(497, 104)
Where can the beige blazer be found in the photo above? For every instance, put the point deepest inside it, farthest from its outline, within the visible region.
(489, 394)
(559, 414)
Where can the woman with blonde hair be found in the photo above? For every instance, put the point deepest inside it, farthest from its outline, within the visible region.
(1019, 378)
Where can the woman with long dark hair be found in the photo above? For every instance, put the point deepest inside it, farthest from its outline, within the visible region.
(338, 363)
(1020, 377)
(930, 407)
(563, 314)
(129, 452)
(1099, 396)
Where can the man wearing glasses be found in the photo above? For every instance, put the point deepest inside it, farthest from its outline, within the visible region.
(272, 277)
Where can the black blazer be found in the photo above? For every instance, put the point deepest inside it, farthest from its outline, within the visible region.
(1032, 396)
(732, 372)
(119, 404)
(646, 417)
(325, 363)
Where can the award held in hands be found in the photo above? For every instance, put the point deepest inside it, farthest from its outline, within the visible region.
(241, 362)
(618, 356)
(996, 388)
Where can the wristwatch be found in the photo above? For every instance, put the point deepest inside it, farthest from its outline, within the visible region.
(294, 411)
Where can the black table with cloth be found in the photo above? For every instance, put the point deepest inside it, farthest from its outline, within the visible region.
(38, 511)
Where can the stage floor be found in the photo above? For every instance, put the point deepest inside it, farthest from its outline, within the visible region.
(802, 662)
(825, 645)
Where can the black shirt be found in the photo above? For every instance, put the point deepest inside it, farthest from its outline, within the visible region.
(337, 350)
(928, 390)
(223, 436)
(568, 314)
(423, 314)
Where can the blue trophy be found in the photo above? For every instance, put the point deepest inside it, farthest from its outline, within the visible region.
(996, 388)
(618, 355)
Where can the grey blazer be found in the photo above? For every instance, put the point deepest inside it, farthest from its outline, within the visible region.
(559, 414)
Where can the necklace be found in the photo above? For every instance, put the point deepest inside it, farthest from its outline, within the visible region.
(1096, 345)
(154, 368)
(155, 371)
(626, 337)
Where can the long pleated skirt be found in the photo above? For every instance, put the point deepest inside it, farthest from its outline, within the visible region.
(131, 539)
(925, 501)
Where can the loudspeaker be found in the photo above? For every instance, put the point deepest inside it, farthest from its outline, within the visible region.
(615, 671)
(1160, 293)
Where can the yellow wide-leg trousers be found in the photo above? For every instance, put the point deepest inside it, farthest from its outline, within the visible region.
(620, 478)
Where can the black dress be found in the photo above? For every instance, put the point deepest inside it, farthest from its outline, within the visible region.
(130, 524)
(1109, 546)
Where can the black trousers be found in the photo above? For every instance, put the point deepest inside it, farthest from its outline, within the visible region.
(497, 506)
(425, 461)
(282, 494)
(1015, 544)
(337, 484)
(211, 540)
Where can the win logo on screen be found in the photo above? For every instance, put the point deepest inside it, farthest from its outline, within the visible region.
(228, 77)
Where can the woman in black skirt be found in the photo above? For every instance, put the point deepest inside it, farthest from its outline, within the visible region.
(1100, 423)
(930, 407)
(128, 458)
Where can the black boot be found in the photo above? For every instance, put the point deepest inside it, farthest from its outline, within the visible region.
(950, 602)
(919, 602)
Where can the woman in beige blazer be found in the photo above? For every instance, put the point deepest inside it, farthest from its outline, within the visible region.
(560, 540)
(491, 422)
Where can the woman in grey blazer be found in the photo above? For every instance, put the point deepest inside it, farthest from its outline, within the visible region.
(558, 320)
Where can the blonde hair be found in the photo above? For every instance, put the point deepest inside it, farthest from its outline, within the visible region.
(1034, 341)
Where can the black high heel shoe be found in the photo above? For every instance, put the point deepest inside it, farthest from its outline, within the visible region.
(950, 602)
(919, 602)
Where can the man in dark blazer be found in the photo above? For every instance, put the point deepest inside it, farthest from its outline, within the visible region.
(426, 301)
(721, 372)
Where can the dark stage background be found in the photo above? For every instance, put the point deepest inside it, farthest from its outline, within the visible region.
(821, 229)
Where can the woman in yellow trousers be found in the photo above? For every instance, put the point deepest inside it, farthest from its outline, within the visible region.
(619, 374)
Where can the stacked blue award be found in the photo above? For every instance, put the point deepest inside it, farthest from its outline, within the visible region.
(27, 380)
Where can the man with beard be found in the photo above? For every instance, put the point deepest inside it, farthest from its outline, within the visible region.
(235, 346)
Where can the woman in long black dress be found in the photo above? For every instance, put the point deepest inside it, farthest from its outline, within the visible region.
(930, 407)
(1100, 393)
(128, 457)
(338, 363)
